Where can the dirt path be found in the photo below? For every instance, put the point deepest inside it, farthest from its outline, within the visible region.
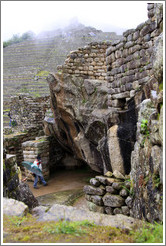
(63, 180)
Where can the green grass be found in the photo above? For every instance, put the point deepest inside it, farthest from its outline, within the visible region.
(28, 229)
(65, 227)
(42, 73)
(153, 233)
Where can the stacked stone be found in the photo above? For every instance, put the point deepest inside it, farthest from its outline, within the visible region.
(12, 142)
(39, 146)
(129, 61)
(88, 62)
(110, 195)
(29, 111)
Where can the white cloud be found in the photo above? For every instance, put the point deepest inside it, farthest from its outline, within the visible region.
(22, 16)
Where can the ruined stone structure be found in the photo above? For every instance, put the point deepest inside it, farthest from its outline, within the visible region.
(29, 111)
(89, 62)
(34, 147)
(129, 61)
(110, 194)
(107, 112)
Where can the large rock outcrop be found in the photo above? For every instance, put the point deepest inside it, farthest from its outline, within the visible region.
(84, 125)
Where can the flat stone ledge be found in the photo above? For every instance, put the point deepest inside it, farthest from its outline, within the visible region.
(60, 212)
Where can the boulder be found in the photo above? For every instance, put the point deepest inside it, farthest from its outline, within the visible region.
(26, 196)
(12, 207)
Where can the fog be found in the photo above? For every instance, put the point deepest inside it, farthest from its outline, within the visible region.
(18, 17)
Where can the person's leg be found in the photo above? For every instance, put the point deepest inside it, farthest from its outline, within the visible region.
(35, 181)
(42, 179)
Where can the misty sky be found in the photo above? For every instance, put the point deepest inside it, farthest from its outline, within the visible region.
(18, 17)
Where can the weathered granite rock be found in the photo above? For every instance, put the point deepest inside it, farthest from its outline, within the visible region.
(113, 200)
(93, 190)
(158, 58)
(95, 208)
(109, 210)
(94, 182)
(111, 190)
(117, 211)
(13, 207)
(118, 175)
(113, 143)
(59, 212)
(123, 192)
(26, 196)
(39, 211)
(117, 185)
(125, 210)
(129, 201)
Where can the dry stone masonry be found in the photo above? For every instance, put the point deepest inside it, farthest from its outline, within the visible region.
(110, 194)
(129, 60)
(107, 112)
(29, 111)
(38, 146)
(89, 62)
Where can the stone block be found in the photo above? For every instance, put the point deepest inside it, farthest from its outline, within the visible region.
(121, 95)
(125, 210)
(95, 208)
(94, 182)
(129, 44)
(109, 210)
(117, 211)
(123, 193)
(110, 181)
(101, 179)
(135, 35)
(93, 190)
(129, 201)
(97, 200)
(111, 190)
(113, 200)
(118, 185)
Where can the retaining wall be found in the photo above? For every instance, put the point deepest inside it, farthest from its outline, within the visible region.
(109, 195)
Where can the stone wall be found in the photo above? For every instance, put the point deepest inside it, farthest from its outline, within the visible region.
(110, 194)
(12, 142)
(88, 62)
(38, 146)
(129, 60)
(29, 111)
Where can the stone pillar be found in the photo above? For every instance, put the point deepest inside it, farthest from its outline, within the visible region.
(38, 146)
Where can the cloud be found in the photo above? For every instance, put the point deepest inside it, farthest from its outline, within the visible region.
(22, 16)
